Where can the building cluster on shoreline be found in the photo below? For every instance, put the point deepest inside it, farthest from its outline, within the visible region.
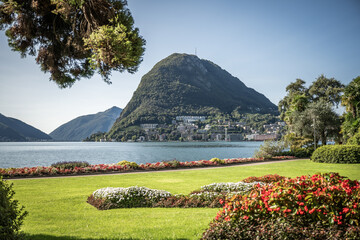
(201, 128)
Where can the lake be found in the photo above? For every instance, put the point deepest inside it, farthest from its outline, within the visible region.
(31, 154)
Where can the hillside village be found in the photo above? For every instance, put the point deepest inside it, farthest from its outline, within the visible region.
(202, 128)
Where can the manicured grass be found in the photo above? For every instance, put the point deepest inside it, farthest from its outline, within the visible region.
(58, 210)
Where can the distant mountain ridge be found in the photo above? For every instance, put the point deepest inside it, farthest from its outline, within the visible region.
(14, 130)
(82, 127)
(183, 84)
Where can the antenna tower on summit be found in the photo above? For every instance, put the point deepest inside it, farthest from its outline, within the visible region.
(195, 51)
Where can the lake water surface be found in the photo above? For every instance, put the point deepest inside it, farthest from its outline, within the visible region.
(31, 154)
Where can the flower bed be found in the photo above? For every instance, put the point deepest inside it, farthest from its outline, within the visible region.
(322, 206)
(209, 196)
(113, 168)
(228, 187)
(265, 179)
(107, 198)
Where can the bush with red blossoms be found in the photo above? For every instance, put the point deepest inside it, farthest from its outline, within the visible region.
(293, 207)
(270, 178)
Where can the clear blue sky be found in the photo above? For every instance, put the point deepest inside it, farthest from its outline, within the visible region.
(266, 44)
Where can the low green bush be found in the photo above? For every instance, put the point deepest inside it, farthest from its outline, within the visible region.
(173, 163)
(270, 149)
(299, 152)
(70, 165)
(337, 154)
(217, 160)
(355, 140)
(133, 165)
(11, 214)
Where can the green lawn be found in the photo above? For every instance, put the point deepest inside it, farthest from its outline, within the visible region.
(58, 210)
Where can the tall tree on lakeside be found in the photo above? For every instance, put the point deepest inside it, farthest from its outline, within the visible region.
(328, 89)
(351, 101)
(308, 111)
(74, 38)
(294, 89)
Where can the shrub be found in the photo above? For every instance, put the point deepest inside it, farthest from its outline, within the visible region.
(11, 214)
(127, 197)
(211, 195)
(70, 165)
(132, 165)
(173, 163)
(270, 149)
(299, 152)
(278, 229)
(322, 206)
(270, 178)
(228, 187)
(217, 160)
(355, 140)
(337, 154)
(210, 200)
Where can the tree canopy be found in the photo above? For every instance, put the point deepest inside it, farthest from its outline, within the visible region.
(72, 39)
(351, 101)
(308, 111)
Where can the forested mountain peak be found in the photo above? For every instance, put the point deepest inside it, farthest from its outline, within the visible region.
(184, 84)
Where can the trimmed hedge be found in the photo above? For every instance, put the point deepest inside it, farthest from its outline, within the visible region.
(337, 154)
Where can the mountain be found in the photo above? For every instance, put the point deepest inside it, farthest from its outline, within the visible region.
(183, 84)
(83, 126)
(14, 130)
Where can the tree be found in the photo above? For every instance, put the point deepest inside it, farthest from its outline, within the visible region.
(351, 101)
(308, 111)
(325, 122)
(74, 38)
(328, 89)
(293, 90)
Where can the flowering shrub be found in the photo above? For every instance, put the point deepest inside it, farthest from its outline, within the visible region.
(217, 160)
(172, 163)
(293, 207)
(209, 196)
(132, 165)
(127, 197)
(205, 199)
(70, 165)
(270, 178)
(110, 168)
(228, 187)
(53, 171)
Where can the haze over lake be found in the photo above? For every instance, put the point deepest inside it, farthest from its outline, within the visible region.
(31, 154)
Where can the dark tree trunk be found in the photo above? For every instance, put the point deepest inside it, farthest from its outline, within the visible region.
(323, 138)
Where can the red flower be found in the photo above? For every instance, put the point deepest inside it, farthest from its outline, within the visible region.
(345, 210)
(312, 210)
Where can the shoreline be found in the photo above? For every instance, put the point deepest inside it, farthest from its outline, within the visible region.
(156, 170)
